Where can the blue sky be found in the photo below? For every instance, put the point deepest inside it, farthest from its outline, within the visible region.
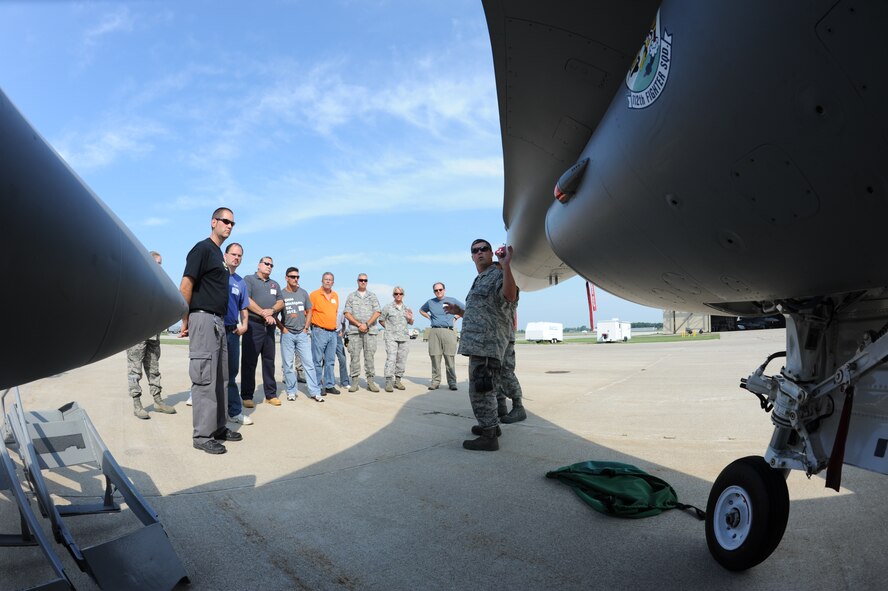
(350, 136)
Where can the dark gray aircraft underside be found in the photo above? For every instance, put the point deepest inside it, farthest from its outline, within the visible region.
(78, 285)
(750, 170)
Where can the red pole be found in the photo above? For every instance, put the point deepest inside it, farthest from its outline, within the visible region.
(590, 296)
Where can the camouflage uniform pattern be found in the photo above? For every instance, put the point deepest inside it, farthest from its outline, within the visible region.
(487, 332)
(145, 354)
(362, 308)
(508, 384)
(396, 339)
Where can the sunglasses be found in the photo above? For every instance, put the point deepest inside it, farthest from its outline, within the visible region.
(478, 249)
(437, 290)
(225, 221)
(267, 264)
(398, 293)
(362, 281)
(292, 276)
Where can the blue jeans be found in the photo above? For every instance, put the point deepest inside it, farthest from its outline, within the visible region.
(235, 404)
(323, 352)
(340, 356)
(290, 343)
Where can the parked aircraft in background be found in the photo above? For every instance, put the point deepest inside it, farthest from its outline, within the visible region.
(717, 157)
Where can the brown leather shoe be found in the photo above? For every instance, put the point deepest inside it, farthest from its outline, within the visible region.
(248, 403)
(273, 401)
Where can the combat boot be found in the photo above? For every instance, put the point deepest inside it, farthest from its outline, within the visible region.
(516, 414)
(389, 385)
(159, 406)
(478, 430)
(502, 408)
(487, 441)
(138, 410)
(399, 385)
(371, 385)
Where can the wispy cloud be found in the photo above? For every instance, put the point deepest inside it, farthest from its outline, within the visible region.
(112, 22)
(102, 146)
(155, 221)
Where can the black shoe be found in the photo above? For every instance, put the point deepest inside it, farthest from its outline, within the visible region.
(211, 447)
(515, 415)
(487, 442)
(331, 391)
(227, 434)
(453, 387)
(478, 430)
(301, 378)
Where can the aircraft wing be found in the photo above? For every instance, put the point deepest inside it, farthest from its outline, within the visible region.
(558, 66)
(78, 285)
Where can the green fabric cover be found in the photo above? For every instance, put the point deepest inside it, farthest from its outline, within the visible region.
(618, 489)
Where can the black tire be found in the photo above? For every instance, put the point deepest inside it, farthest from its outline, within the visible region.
(746, 513)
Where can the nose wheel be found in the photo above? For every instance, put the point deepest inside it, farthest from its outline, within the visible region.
(746, 514)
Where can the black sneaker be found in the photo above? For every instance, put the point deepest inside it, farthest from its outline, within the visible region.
(331, 391)
(211, 447)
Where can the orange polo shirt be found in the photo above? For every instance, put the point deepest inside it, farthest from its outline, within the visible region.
(323, 311)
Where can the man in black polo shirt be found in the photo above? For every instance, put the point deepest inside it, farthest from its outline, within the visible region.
(265, 302)
(205, 289)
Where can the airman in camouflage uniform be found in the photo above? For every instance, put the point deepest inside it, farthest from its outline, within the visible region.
(362, 310)
(395, 318)
(486, 332)
(146, 354)
(510, 388)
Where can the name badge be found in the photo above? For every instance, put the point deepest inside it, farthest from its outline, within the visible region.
(235, 290)
(274, 292)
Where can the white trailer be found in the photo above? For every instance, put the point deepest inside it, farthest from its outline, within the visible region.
(552, 332)
(611, 331)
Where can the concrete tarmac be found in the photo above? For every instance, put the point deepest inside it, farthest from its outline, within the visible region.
(374, 491)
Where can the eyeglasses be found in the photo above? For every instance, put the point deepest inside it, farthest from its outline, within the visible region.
(225, 221)
(437, 290)
(267, 264)
(398, 293)
(478, 249)
(292, 276)
(362, 281)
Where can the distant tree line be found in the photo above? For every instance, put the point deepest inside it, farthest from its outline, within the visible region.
(657, 325)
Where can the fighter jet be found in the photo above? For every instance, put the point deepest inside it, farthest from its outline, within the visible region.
(719, 157)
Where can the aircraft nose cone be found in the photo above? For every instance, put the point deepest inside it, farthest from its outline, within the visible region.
(77, 285)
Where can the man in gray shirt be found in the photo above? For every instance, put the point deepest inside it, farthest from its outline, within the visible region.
(265, 302)
(294, 324)
(361, 310)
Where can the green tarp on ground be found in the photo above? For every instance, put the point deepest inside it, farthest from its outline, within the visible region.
(619, 489)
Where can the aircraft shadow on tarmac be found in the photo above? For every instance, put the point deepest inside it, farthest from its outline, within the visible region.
(407, 508)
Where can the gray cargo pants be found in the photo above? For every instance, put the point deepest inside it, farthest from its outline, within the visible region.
(208, 369)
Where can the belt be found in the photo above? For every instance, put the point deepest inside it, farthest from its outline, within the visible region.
(322, 328)
(444, 327)
(192, 311)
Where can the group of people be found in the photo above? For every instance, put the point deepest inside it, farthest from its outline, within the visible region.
(232, 321)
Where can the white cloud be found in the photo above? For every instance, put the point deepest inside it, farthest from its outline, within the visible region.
(106, 144)
(117, 21)
(155, 221)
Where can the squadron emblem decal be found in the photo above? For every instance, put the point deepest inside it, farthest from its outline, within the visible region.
(650, 71)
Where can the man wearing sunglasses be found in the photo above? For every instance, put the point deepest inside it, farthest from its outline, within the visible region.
(205, 289)
(362, 310)
(265, 302)
(294, 324)
(486, 330)
(442, 338)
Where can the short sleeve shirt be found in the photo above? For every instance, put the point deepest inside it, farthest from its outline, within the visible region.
(238, 299)
(206, 267)
(266, 293)
(362, 308)
(488, 323)
(435, 308)
(395, 319)
(296, 304)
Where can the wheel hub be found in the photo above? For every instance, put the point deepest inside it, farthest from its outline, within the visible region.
(733, 518)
